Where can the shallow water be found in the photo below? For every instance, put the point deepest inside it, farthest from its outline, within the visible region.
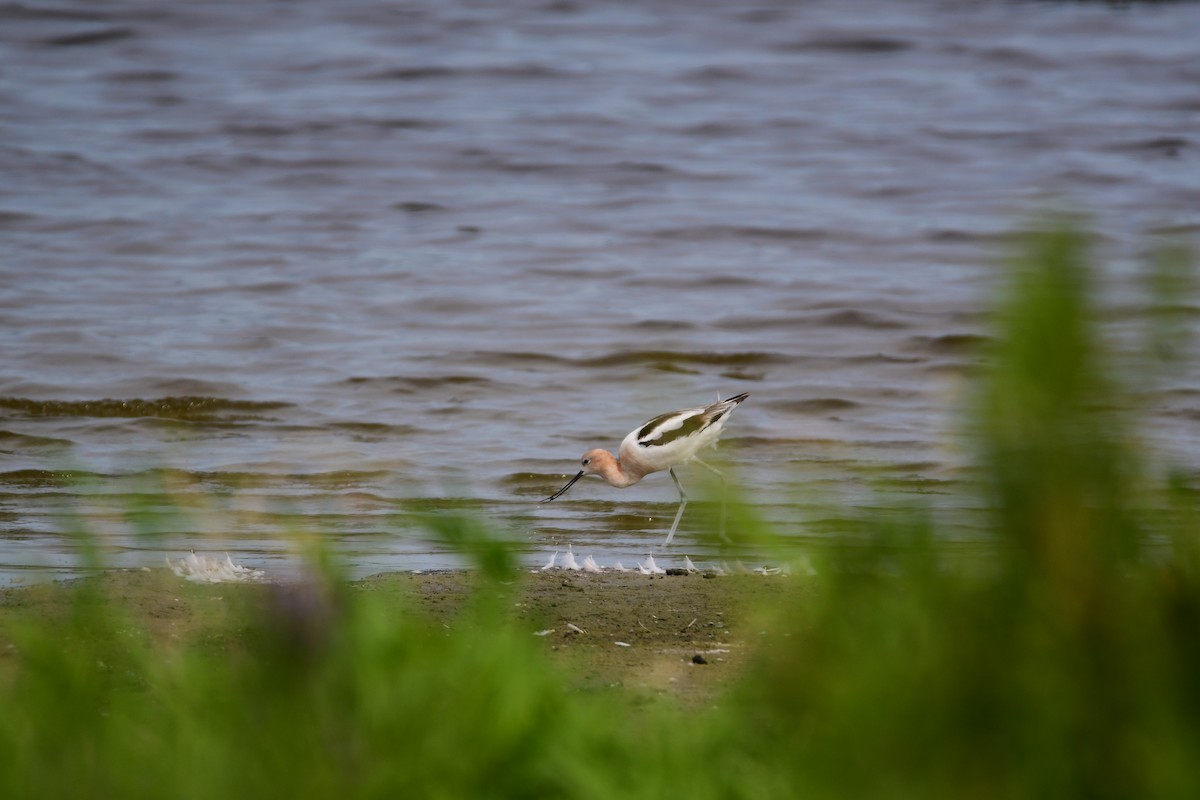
(282, 270)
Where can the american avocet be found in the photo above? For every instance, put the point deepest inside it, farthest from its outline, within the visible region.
(662, 443)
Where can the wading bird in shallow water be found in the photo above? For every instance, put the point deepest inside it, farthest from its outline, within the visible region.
(668, 439)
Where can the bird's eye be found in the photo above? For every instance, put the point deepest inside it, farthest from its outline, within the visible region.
(585, 462)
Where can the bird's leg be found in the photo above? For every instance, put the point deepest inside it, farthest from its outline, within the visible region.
(724, 487)
(682, 503)
(710, 468)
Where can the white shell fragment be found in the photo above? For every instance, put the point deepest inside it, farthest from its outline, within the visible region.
(202, 569)
(648, 567)
(569, 561)
(560, 561)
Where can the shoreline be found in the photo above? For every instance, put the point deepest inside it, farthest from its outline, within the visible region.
(642, 637)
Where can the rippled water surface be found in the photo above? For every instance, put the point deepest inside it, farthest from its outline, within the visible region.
(275, 270)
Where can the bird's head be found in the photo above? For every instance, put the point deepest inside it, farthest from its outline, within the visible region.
(593, 462)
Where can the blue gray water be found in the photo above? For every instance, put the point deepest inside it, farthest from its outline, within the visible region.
(271, 271)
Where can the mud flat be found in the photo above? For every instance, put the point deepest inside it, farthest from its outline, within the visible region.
(641, 638)
(637, 634)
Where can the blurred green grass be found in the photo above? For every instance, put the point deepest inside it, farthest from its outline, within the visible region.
(1067, 663)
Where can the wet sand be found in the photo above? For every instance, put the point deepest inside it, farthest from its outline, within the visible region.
(665, 624)
(666, 621)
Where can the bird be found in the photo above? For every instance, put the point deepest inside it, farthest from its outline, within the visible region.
(664, 442)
